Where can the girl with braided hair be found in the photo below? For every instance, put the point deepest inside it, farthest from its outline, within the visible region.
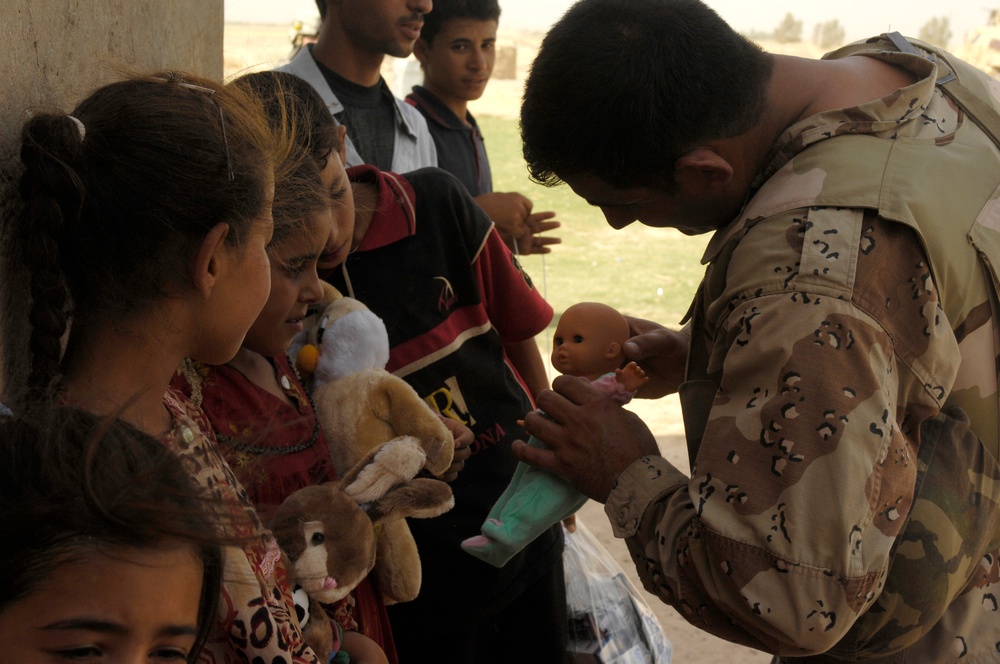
(147, 212)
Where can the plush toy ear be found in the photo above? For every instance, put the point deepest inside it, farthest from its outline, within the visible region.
(330, 294)
(421, 498)
(385, 467)
(382, 483)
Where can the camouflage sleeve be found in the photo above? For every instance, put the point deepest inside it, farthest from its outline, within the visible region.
(824, 343)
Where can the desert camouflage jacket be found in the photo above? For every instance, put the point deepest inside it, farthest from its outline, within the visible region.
(841, 399)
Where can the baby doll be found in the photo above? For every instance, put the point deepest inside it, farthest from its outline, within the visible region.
(587, 343)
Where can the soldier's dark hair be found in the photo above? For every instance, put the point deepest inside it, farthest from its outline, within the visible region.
(621, 88)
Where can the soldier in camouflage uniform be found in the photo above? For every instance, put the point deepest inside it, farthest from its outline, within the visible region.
(840, 380)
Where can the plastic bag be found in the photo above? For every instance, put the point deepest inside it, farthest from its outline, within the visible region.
(609, 622)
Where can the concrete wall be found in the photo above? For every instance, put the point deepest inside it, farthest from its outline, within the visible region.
(53, 53)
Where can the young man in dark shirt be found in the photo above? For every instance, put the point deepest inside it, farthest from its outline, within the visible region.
(457, 50)
(344, 66)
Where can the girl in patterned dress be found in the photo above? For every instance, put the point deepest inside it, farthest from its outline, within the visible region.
(146, 216)
(259, 410)
(258, 407)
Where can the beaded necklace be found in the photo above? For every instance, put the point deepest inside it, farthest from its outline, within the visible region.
(234, 441)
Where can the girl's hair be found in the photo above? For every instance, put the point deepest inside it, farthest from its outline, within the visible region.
(119, 195)
(298, 196)
(72, 483)
(296, 112)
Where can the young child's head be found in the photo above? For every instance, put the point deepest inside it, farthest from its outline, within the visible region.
(296, 111)
(126, 194)
(456, 48)
(109, 550)
(588, 340)
(303, 223)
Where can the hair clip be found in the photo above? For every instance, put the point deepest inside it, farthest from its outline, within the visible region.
(176, 80)
(192, 86)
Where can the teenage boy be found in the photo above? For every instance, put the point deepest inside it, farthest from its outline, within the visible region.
(462, 319)
(457, 50)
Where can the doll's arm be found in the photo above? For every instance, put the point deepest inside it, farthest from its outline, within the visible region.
(632, 377)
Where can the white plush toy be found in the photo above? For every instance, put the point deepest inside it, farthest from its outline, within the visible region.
(362, 406)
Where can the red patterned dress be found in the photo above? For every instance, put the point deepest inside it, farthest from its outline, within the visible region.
(255, 617)
(276, 447)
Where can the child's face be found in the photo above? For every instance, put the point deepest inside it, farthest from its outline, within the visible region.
(458, 64)
(341, 237)
(294, 286)
(121, 606)
(582, 345)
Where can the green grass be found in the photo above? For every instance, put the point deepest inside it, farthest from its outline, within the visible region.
(647, 272)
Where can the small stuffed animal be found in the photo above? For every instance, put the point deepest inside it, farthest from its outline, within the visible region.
(327, 531)
(361, 406)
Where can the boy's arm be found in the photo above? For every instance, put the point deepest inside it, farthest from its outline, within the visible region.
(519, 227)
(527, 359)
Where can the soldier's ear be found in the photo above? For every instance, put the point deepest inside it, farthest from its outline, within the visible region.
(702, 170)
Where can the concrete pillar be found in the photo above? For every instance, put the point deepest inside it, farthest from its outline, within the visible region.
(54, 53)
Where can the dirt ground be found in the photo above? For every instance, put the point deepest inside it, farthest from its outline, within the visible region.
(255, 47)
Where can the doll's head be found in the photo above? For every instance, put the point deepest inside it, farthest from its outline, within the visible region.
(588, 340)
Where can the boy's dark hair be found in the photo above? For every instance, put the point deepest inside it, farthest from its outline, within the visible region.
(72, 483)
(119, 195)
(621, 88)
(446, 10)
(321, 6)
